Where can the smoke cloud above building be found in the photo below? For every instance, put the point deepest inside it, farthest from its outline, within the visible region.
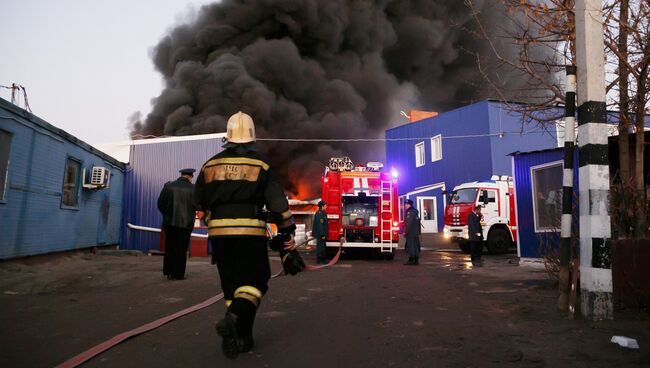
(314, 69)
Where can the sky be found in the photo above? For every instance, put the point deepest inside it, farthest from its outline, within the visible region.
(86, 65)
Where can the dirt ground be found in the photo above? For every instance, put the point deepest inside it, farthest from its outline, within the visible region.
(360, 313)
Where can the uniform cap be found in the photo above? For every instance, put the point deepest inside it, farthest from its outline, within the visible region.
(321, 203)
(188, 171)
(408, 201)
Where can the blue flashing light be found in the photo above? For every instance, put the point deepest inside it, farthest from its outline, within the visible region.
(394, 173)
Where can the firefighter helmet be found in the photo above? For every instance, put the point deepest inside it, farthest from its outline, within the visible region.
(240, 129)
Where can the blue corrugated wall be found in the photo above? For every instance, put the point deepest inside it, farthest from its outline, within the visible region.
(150, 167)
(529, 240)
(31, 218)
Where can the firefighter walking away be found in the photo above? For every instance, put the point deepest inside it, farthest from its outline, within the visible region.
(235, 187)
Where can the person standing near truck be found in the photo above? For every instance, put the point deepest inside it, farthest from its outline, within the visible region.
(412, 234)
(319, 231)
(475, 232)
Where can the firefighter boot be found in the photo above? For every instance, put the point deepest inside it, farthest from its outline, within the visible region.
(227, 329)
(245, 344)
(410, 262)
(416, 260)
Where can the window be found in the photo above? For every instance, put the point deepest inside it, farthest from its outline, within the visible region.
(70, 197)
(419, 154)
(436, 148)
(463, 196)
(5, 144)
(547, 196)
(488, 196)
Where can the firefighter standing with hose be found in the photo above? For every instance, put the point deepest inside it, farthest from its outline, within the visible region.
(234, 187)
(319, 231)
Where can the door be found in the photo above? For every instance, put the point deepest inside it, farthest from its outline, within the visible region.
(427, 206)
(488, 200)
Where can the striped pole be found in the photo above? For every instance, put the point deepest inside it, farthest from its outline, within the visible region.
(595, 226)
(567, 188)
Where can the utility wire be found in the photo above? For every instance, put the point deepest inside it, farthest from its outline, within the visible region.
(502, 134)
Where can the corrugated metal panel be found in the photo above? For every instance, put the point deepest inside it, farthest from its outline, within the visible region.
(150, 167)
(530, 241)
(31, 218)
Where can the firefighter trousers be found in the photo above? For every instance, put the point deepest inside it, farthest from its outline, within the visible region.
(413, 246)
(177, 240)
(243, 264)
(321, 249)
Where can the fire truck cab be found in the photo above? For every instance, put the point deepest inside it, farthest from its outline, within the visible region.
(362, 206)
(496, 197)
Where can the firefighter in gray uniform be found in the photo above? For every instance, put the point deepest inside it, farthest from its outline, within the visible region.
(319, 232)
(412, 233)
(176, 203)
(234, 187)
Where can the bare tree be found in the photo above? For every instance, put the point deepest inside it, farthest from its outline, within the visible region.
(627, 32)
(543, 36)
(543, 32)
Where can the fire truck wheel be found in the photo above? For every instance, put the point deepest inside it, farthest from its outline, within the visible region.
(498, 241)
(464, 247)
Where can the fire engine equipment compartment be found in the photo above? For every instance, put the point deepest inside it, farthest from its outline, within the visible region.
(359, 218)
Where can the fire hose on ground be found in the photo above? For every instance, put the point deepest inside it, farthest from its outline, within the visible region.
(117, 339)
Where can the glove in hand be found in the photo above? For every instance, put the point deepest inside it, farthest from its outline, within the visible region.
(292, 263)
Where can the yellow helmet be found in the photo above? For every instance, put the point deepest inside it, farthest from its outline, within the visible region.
(240, 129)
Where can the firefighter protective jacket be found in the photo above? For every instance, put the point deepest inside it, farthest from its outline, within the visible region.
(236, 187)
(321, 225)
(176, 203)
(412, 223)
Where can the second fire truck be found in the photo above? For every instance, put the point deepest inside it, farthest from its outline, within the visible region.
(362, 206)
(496, 197)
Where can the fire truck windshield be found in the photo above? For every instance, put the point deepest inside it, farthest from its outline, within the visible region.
(359, 211)
(463, 196)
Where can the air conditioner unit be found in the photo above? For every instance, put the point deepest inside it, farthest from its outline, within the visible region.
(99, 177)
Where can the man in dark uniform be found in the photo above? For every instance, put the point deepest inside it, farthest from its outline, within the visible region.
(475, 233)
(319, 231)
(412, 233)
(176, 203)
(234, 187)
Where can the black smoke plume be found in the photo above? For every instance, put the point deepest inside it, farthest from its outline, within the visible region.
(315, 69)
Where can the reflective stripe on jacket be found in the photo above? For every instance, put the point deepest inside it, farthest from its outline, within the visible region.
(235, 187)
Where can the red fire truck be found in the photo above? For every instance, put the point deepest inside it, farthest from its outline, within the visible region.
(362, 206)
(496, 197)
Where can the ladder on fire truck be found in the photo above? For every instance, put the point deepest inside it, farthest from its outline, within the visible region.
(385, 228)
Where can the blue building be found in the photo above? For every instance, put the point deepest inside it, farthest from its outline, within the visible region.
(57, 193)
(152, 163)
(538, 173)
(458, 146)
(537, 179)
